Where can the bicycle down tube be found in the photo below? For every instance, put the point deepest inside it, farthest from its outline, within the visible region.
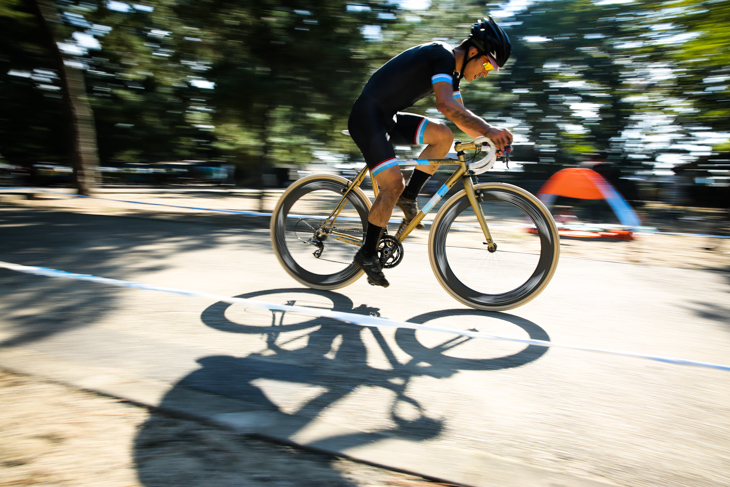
(459, 174)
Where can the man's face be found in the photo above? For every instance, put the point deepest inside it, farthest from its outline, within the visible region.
(479, 67)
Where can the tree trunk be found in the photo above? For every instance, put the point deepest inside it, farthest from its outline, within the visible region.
(84, 155)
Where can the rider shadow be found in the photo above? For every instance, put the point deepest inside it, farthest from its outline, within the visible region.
(331, 356)
(310, 364)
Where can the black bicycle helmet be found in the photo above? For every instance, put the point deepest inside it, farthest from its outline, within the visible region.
(490, 39)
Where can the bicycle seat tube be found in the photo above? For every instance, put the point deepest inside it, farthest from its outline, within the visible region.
(352, 184)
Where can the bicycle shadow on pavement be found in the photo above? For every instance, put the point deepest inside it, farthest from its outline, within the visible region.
(316, 352)
(487, 359)
(315, 367)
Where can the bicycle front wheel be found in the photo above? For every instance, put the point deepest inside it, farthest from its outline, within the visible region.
(526, 255)
(311, 249)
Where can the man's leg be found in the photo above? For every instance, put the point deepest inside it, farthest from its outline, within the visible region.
(390, 186)
(439, 139)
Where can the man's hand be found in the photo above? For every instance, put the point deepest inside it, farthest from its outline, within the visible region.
(500, 137)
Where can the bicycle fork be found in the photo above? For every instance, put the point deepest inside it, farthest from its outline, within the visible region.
(474, 200)
(472, 196)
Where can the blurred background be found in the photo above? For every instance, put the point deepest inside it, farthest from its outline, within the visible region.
(256, 93)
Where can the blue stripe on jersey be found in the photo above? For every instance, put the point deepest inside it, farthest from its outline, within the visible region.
(441, 77)
(421, 130)
(383, 166)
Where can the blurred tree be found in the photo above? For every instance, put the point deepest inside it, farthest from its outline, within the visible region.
(589, 77)
(684, 46)
(146, 107)
(31, 106)
(253, 82)
(80, 127)
(631, 80)
(568, 75)
(283, 71)
(45, 114)
(242, 82)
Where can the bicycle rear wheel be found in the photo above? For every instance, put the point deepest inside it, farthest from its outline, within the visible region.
(527, 253)
(315, 256)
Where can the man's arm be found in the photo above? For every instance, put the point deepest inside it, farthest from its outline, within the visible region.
(467, 121)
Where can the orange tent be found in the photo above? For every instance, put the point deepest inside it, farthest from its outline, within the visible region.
(579, 183)
(587, 184)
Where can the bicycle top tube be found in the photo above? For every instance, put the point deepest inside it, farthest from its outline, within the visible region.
(482, 144)
(447, 161)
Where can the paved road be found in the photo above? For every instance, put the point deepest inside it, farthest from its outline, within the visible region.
(471, 411)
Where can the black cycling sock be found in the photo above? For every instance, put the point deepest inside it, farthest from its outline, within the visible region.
(372, 237)
(415, 184)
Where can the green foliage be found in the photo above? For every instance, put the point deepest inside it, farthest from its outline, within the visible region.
(251, 83)
(12, 9)
(637, 65)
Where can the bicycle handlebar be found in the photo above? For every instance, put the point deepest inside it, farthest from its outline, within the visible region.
(483, 144)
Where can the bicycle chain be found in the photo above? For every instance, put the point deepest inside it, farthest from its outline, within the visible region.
(390, 251)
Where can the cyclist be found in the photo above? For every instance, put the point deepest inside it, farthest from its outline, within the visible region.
(376, 121)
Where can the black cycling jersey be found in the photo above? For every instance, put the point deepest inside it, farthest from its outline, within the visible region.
(409, 76)
(397, 85)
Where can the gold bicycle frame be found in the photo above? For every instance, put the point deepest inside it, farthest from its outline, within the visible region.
(461, 173)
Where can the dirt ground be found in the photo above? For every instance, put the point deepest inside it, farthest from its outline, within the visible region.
(53, 435)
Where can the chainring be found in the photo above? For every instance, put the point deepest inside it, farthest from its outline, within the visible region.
(390, 251)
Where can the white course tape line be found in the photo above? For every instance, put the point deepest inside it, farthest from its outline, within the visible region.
(355, 319)
(213, 210)
(256, 213)
(236, 212)
(249, 213)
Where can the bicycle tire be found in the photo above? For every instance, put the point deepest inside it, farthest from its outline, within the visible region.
(527, 254)
(302, 207)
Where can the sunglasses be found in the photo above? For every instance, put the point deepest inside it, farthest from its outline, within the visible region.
(490, 64)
